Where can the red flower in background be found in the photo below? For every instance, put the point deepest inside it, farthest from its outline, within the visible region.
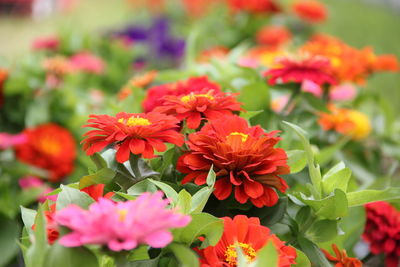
(310, 10)
(243, 158)
(131, 133)
(3, 78)
(96, 191)
(50, 147)
(254, 6)
(382, 231)
(196, 106)
(155, 94)
(250, 236)
(273, 36)
(341, 259)
(51, 225)
(312, 68)
(215, 52)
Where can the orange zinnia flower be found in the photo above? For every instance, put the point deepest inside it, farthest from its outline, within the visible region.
(131, 133)
(310, 10)
(243, 157)
(50, 147)
(3, 78)
(155, 94)
(195, 106)
(254, 6)
(312, 68)
(341, 259)
(273, 36)
(346, 121)
(250, 236)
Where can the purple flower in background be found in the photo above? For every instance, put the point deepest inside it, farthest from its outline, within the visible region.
(157, 38)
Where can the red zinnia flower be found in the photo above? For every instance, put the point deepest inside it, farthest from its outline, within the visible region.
(310, 10)
(254, 6)
(96, 191)
(341, 259)
(204, 104)
(382, 231)
(312, 68)
(131, 133)
(250, 236)
(155, 94)
(47, 43)
(50, 147)
(243, 157)
(273, 36)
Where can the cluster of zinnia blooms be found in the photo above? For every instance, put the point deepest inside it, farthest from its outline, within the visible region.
(50, 147)
(349, 64)
(121, 225)
(248, 235)
(382, 231)
(348, 122)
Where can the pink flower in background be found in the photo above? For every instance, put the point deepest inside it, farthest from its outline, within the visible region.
(87, 62)
(9, 140)
(343, 92)
(121, 225)
(309, 86)
(279, 103)
(29, 182)
(48, 43)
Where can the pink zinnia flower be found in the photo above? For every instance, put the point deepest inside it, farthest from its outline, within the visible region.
(121, 225)
(9, 140)
(47, 43)
(30, 182)
(87, 62)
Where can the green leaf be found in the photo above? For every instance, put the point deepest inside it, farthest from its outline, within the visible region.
(314, 170)
(313, 252)
(28, 218)
(184, 202)
(168, 190)
(211, 177)
(202, 224)
(267, 256)
(301, 259)
(70, 195)
(337, 177)
(186, 256)
(271, 215)
(103, 176)
(61, 256)
(200, 198)
(141, 187)
(322, 231)
(36, 254)
(126, 196)
(247, 115)
(297, 160)
(139, 253)
(9, 234)
(331, 207)
(98, 161)
(327, 153)
(365, 196)
(254, 96)
(37, 112)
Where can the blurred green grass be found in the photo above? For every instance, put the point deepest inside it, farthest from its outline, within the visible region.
(354, 21)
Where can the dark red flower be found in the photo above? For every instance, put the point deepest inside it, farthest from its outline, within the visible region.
(196, 106)
(155, 95)
(250, 236)
(310, 10)
(131, 133)
(51, 225)
(254, 6)
(243, 158)
(341, 259)
(273, 36)
(312, 68)
(47, 43)
(382, 231)
(50, 147)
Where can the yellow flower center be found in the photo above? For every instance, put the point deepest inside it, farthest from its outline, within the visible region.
(49, 146)
(191, 96)
(134, 121)
(231, 253)
(122, 214)
(244, 136)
